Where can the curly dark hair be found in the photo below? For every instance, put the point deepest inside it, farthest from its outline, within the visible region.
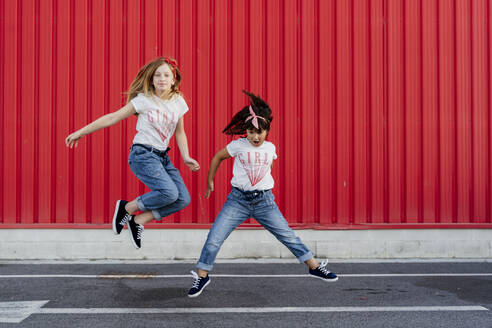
(239, 123)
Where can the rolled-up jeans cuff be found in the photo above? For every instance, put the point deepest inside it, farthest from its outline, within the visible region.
(141, 205)
(203, 266)
(305, 257)
(156, 215)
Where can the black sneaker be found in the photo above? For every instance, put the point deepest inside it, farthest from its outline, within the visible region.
(322, 273)
(120, 217)
(135, 230)
(198, 285)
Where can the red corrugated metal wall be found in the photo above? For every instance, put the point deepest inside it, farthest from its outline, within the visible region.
(382, 107)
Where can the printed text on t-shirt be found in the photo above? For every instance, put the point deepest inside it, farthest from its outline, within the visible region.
(255, 166)
(163, 122)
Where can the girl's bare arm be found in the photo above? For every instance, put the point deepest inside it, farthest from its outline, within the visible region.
(102, 122)
(182, 142)
(214, 166)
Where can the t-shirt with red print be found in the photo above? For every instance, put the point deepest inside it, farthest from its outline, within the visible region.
(252, 165)
(157, 119)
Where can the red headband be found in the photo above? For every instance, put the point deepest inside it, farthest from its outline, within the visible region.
(174, 65)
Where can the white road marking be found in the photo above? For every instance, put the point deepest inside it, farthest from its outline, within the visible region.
(359, 275)
(149, 276)
(15, 312)
(257, 309)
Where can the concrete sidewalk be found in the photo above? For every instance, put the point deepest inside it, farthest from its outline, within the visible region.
(186, 244)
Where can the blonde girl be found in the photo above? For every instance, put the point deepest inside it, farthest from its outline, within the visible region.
(155, 98)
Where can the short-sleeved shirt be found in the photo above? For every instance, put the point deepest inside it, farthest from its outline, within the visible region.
(157, 119)
(252, 165)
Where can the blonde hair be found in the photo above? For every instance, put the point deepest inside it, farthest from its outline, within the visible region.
(143, 82)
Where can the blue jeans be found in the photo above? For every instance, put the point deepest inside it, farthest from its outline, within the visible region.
(168, 192)
(240, 206)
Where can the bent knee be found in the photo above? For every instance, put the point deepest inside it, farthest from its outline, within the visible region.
(185, 199)
(169, 196)
(184, 203)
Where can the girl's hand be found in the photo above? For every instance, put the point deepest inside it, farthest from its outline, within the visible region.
(210, 188)
(192, 164)
(73, 139)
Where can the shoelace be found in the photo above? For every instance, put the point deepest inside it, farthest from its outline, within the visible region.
(125, 219)
(140, 229)
(196, 283)
(323, 268)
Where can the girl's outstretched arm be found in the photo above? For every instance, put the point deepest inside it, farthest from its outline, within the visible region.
(102, 122)
(214, 165)
(183, 146)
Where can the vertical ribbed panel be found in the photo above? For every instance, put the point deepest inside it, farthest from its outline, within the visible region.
(381, 108)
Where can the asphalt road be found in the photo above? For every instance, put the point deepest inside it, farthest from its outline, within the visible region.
(246, 295)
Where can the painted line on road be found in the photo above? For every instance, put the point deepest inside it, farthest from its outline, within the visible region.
(152, 276)
(16, 312)
(358, 275)
(256, 309)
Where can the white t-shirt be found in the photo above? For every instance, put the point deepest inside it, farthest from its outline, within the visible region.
(252, 165)
(157, 119)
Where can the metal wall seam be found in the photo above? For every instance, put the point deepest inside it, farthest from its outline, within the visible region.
(19, 104)
(89, 105)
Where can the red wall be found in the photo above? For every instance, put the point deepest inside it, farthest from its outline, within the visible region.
(382, 107)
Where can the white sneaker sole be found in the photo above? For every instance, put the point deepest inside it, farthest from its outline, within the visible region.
(198, 294)
(327, 280)
(114, 217)
(131, 238)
